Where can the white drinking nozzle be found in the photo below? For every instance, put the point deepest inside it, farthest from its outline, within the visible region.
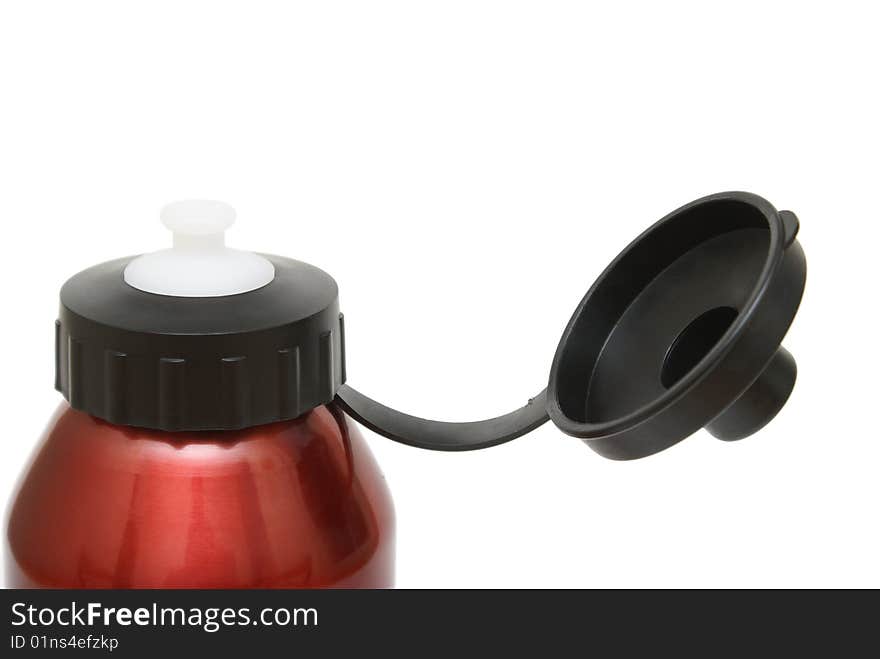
(199, 264)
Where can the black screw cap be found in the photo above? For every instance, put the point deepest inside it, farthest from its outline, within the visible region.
(208, 363)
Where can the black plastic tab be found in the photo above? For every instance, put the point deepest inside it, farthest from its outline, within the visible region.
(442, 435)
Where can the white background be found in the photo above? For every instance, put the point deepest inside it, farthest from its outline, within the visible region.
(465, 170)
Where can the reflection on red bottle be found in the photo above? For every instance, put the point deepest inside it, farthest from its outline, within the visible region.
(294, 504)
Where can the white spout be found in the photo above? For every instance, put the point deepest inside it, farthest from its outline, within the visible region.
(199, 264)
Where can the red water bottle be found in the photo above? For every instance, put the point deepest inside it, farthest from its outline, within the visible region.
(201, 447)
(207, 441)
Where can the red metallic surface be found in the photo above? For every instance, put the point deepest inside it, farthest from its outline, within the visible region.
(293, 504)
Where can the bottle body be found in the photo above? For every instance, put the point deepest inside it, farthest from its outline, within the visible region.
(293, 504)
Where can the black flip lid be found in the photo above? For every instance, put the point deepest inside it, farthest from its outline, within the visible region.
(681, 331)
